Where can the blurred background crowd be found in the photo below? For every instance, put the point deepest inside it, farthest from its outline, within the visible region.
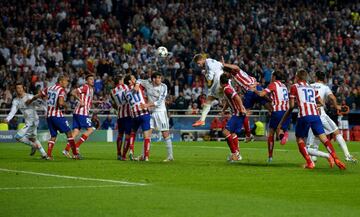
(39, 40)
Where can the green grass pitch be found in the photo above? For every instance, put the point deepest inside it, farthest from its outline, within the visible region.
(198, 183)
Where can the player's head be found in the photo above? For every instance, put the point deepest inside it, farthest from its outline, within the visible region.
(63, 81)
(129, 80)
(19, 87)
(277, 76)
(199, 60)
(119, 80)
(90, 79)
(224, 79)
(301, 75)
(156, 78)
(320, 76)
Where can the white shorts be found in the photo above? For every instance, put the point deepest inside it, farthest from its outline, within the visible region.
(215, 90)
(328, 124)
(29, 130)
(159, 121)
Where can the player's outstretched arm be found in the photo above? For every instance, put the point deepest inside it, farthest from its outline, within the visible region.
(334, 102)
(14, 109)
(37, 96)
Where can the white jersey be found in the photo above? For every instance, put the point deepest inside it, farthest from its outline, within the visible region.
(155, 94)
(213, 70)
(323, 91)
(29, 111)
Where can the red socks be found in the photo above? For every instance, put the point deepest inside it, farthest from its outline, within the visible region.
(270, 145)
(232, 142)
(72, 145)
(236, 143)
(330, 149)
(303, 151)
(146, 147)
(82, 139)
(132, 141)
(247, 127)
(50, 148)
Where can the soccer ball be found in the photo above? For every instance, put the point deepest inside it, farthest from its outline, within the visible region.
(162, 51)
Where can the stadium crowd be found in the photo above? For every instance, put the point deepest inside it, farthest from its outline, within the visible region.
(39, 40)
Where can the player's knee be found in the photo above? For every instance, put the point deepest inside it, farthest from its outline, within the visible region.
(90, 130)
(18, 137)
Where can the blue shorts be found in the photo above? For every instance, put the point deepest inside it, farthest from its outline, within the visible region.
(250, 98)
(276, 118)
(57, 124)
(304, 123)
(143, 121)
(235, 123)
(81, 122)
(124, 125)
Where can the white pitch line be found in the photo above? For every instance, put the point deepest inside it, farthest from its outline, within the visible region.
(74, 177)
(60, 187)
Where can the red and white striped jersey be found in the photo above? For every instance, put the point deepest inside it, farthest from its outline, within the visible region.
(119, 96)
(53, 94)
(86, 95)
(230, 95)
(305, 96)
(243, 79)
(135, 99)
(279, 96)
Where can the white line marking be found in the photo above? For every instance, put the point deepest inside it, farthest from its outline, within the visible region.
(60, 187)
(74, 177)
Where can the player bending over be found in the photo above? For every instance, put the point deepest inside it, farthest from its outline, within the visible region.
(280, 103)
(308, 117)
(156, 92)
(328, 124)
(28, 133)
(141, 116)
(55, 118)
(213, 71)
(124, 121)
(250, 97)
(237, 119)
(81, 119)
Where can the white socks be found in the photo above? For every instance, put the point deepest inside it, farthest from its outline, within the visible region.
(343, 145)
(316, 152)
(169, 148)
(40, 148)
(205, 111)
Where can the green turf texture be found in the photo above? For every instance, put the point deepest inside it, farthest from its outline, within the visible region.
(198, 183)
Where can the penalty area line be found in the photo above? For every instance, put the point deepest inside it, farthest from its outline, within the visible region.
(61, 187)
(74, 177)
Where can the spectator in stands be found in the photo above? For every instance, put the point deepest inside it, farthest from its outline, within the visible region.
(108, 123)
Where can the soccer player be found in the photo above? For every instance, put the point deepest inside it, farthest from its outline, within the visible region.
(213, 71)
(280, 102)
(55, 118)
(28, 133)
(140, 115)
(237, 119)
(250, 97)
(329, 125)
(81, 119)
(308, 117)
(156, 93)
(118, 95)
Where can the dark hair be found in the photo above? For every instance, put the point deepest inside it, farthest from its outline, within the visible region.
(320, 75)
(302, 74)
(278, 75)
(224, 79)
(127, 79)
(155, 75)
(19, 83)
(89, 75)
(118, 79)
(197, 57)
